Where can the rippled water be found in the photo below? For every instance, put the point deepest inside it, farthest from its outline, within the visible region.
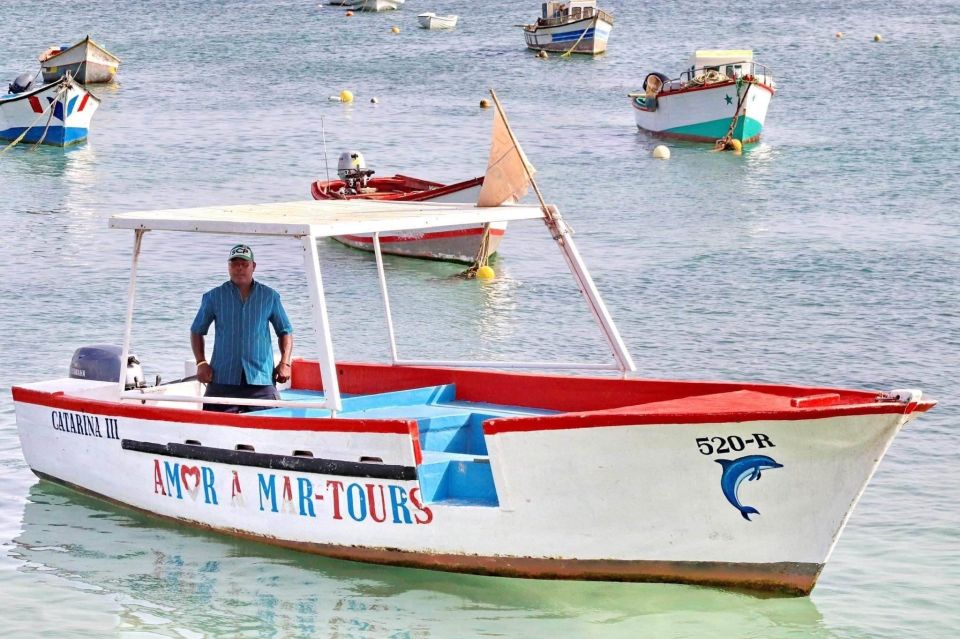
(829, 253)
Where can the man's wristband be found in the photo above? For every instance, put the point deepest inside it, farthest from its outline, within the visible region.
(283, 363)
(202, 362)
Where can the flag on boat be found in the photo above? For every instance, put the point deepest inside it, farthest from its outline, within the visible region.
(508, 169)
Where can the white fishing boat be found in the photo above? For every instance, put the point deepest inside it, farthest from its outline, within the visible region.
(470, 466)
(433, 21)
(372, 5)
(57, 114)
(86, 61)
(573, 26)
(721, 94)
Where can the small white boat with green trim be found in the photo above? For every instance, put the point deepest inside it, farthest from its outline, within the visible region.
(721, 95)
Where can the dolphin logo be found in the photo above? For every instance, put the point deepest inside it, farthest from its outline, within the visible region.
(736, 471)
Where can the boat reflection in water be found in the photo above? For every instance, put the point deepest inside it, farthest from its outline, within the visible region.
(160, 578)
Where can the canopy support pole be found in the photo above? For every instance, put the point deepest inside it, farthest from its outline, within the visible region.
(131, 294)
(563, 237)
(386, 298)
(321, 325)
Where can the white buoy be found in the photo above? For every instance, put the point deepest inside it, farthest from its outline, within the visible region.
(661, 152)
(374, 100)
(335, 98)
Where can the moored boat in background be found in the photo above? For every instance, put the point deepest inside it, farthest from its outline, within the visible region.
(722, 94)
(372, 5)
(433, 21)
(459, 243)
(57, 114)
(86, 61)
(574, 26)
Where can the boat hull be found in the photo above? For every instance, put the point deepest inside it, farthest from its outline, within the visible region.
(588, 36)
(87, 62)
(449, 243)
(433, 21)
(372, 5)
(637, 493)
(703, 114)
(56, 114)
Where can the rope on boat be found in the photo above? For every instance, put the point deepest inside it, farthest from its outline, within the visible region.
(723, 142)
(483, 254)
(20, 137)
(566, 54)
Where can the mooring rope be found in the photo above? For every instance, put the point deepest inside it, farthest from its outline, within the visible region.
(722, 142)
(566, 54)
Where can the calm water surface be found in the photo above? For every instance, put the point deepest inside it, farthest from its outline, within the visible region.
(829, 254)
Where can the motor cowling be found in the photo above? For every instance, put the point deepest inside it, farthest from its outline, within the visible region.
(352, 169)
(21, 83)
(102, 363)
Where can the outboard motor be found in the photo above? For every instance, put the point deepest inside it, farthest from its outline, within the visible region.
(23, 82)
(352, 169)
(102, 363)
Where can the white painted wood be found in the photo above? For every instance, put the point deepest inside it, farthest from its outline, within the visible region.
(328, 366)
(321, 218)
(385, 295)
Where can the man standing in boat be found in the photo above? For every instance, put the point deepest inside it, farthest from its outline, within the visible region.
(242, 361)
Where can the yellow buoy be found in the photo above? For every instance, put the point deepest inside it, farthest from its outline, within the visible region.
(877, 38)
(735, 145)
(661, 152)
(484, 103)
(346, 96)
(349, 14)
(485, 273)
(395, 29)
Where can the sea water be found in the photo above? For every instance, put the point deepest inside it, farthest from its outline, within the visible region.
(829, 253)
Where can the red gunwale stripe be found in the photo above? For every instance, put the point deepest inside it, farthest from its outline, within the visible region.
(426, 236)
(584, 401)
(625, 418)
(718, 85)
(203, 418)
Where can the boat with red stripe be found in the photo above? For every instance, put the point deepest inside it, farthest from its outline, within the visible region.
(447, 243)
(531, 468)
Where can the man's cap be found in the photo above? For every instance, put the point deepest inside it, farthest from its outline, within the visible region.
(241, 252)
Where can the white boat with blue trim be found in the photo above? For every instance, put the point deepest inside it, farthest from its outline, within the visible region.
(721, 95)
(57, 114)
(573, 26)
(470, 466)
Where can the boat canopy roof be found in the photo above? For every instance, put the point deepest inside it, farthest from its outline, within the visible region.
(715, 57)
(319, 218)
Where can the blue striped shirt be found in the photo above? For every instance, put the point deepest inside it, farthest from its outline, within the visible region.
(242, 341)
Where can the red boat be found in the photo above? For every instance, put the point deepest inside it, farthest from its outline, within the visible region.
(448, 243)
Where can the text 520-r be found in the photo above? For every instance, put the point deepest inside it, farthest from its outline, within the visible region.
(732, 443)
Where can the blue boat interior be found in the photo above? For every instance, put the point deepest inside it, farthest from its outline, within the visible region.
(456, 466)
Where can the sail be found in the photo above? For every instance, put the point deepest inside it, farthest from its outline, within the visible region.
(506, 178)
